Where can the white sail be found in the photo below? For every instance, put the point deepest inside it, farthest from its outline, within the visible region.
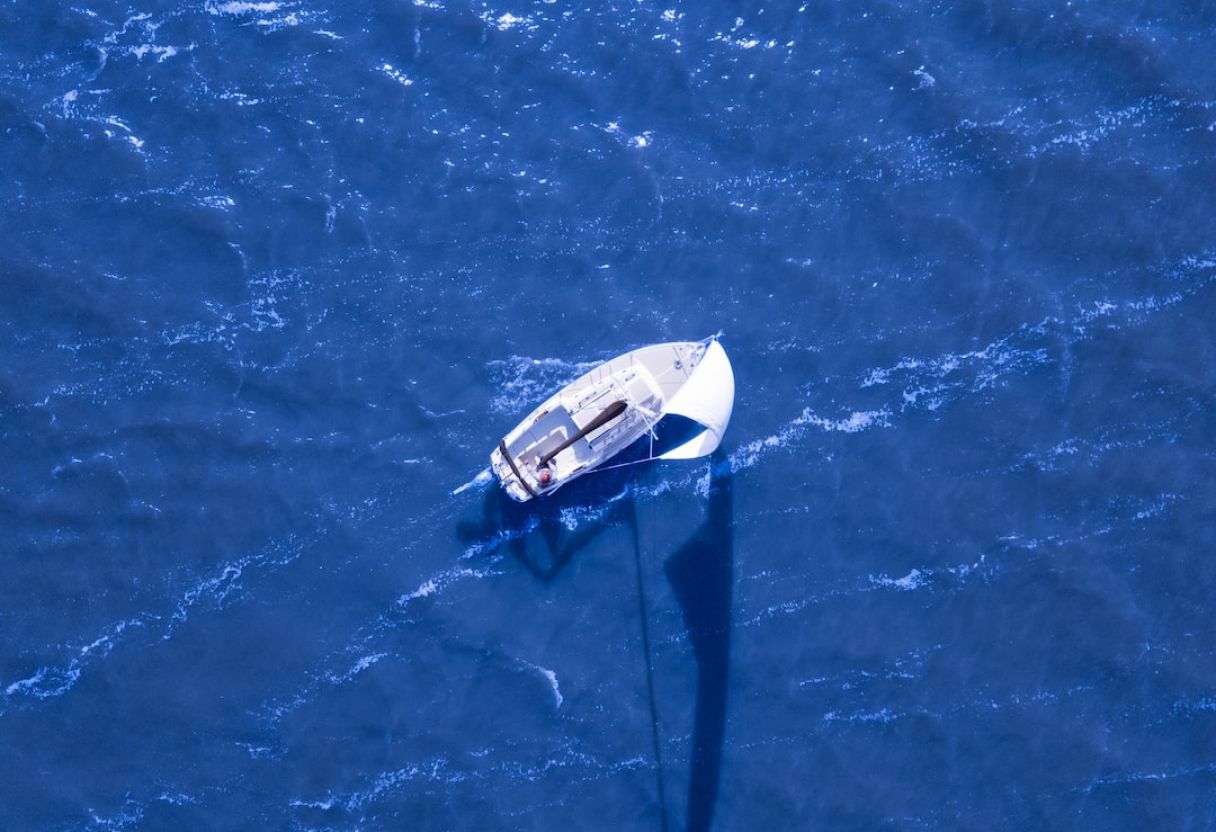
(708, 397)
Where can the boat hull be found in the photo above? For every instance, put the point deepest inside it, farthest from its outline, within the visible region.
(546, 451)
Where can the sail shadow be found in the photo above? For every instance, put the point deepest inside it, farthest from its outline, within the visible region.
(701, 576)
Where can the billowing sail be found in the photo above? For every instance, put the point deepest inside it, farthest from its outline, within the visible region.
(708, 397)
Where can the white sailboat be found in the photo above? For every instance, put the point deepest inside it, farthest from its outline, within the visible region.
(604, 411)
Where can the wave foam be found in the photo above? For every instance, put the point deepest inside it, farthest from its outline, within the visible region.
(549, 676)
(748, 455)
(241, 7)
(55, 680)
(436, 583)
(526, 382)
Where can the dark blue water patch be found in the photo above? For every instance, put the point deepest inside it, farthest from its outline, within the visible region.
(278, 276)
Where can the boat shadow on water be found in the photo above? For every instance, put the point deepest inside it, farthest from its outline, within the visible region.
(544, 537)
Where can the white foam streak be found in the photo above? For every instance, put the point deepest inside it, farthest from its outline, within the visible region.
(917, 578)
(884, 716)
(252, 13)
(397, 75)
(46, 682)
(748, 455)
(235, 7)
(483, 477)
(488, 546)
(913, 580)
(436, 583)
(508, 21)
(526, 382)
(436, 770)
(976, 369)
(1148, 776)
(550, 677)
(922, 577)
(441, 770)
(52, 681)
(360, 665)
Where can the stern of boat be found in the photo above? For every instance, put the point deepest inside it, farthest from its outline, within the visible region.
(506, 477)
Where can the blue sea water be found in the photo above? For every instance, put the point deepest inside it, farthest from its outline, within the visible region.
(277, 275)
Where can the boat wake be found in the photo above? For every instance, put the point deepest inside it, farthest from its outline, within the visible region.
(483, 478)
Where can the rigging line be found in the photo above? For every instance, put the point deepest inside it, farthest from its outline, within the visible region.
(622, 465)
(649, 429)
(650, 417)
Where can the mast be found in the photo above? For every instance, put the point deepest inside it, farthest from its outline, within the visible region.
(606, 415)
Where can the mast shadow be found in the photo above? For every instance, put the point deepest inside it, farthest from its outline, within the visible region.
(539, 536)
(544, 536)
(701, 574)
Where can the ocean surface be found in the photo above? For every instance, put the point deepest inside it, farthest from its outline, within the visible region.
(277, 275)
